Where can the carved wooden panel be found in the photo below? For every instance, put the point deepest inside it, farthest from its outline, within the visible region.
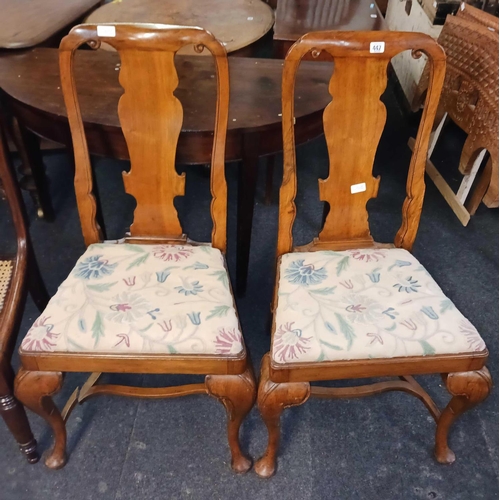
(352, 138)
(151, 120)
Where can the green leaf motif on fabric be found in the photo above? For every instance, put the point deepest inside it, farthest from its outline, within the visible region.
(218, 312)
(222, 277)
(171, 349)
(331, 346)
(102, 287)
(134, 248)
(324, 291)
(428, 349)
(346, 329)
(97, 328)
(137, 262)
(342, 265)
(446, 305)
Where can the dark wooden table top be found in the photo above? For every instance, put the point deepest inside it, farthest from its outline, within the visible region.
(32, 78)
(25, 23)
(236, 23)
(295, 18)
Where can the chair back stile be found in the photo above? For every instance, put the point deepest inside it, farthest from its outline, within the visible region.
(358, 80)
(151, 119)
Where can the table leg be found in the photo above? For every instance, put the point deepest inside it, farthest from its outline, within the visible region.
(32, 169)
(247, 181)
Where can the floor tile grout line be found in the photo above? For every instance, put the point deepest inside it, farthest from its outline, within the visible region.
(129, 443)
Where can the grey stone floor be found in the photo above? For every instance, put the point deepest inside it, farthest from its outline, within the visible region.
(372, 448)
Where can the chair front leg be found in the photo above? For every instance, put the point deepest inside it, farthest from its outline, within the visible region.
(468, 389)
(34, 390)
(237, 393)
(272, 399)
(15, 417)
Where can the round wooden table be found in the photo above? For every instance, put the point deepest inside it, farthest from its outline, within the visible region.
(254, 128)
(236, 23)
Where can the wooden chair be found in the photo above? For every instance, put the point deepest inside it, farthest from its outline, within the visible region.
(155, 302)
(346, 306)
(16, 276)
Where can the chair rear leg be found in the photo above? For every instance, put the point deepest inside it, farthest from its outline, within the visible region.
(15, 417)
(34, 390)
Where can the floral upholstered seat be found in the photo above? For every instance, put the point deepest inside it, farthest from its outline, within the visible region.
(124, 298)
(362, 304)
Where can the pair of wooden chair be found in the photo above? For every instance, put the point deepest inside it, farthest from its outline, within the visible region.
(157, 302)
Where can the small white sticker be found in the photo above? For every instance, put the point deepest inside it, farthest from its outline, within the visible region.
(249, 18)
(106, 31)
(358, 188)
(377, 47)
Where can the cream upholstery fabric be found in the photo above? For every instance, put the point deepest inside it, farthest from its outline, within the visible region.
(124, 298)
(362, 304)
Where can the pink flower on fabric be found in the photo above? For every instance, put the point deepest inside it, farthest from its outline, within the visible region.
(226, 339)
(289, 342)
(476, 343)
(172, 253)
(40, 336)
(367, 255)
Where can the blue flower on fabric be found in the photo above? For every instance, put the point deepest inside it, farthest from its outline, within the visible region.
(94, 268)
(162, 276)
(374, 275)
(305, 274)
(187, 288)
(194, 317)
(407, 285)
(429, 311)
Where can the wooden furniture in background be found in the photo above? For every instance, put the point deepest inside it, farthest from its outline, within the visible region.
(235, 23)
(35, 21)
(328, 326)
(295, 18)
(16, 276)
(254, 127)
(469, 99)
(151, 118)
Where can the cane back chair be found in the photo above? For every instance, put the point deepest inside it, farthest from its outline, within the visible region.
(17, 274)
(346, 306)
(156, 302)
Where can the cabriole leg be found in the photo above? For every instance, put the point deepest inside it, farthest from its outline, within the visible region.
(237, 393)
(272, 399)
(468, 389)
(35, 390)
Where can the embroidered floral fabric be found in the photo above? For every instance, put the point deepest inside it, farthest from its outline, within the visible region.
(124, 298)
(362, 304)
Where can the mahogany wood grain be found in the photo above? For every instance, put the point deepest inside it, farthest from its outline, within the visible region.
(33, 21)
(358, 80)
(151, 118)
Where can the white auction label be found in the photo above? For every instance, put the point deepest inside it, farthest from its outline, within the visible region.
(358, 188)
(377, 47)
(106, 31)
